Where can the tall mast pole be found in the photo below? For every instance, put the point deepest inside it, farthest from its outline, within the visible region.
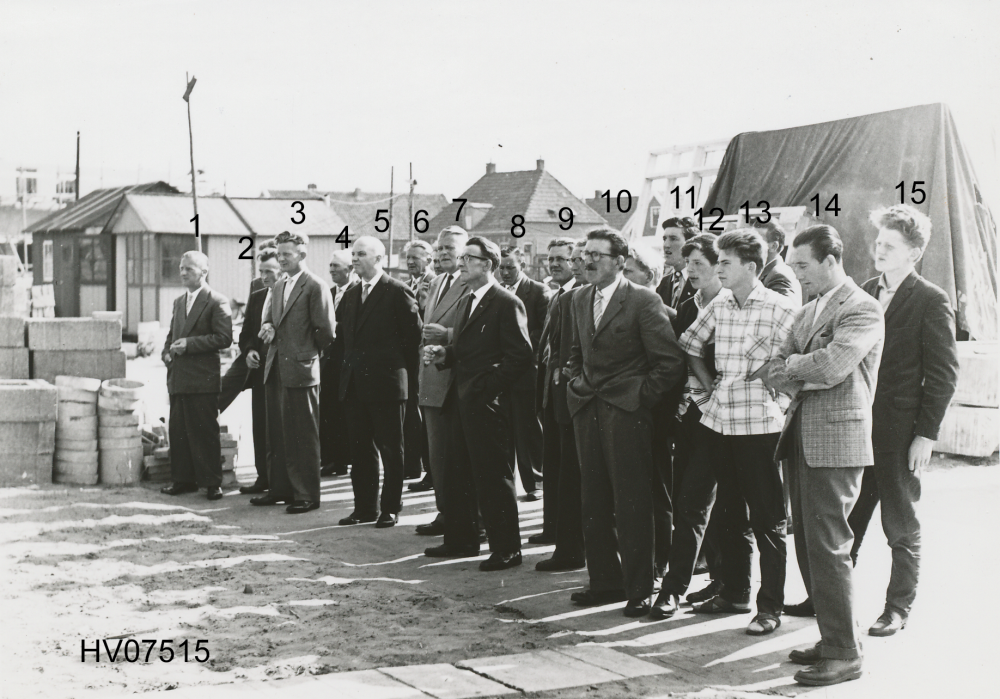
(392, 177)
(194, 186)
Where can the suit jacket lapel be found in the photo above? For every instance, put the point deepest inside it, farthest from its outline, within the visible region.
(828, 310)
(374, 295)
(296, 290)
(460, 322)
(199, 305)
(447, 301)
(483, 302)
(902, 293)
(614, 306)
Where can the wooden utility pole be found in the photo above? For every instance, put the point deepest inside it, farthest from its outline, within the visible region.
(392, 178)
(410, 226)
(194, 187)
(77, 185)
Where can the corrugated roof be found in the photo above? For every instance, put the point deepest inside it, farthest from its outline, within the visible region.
(94, 209)
(172, 213)
(358, 209)
(268, 217)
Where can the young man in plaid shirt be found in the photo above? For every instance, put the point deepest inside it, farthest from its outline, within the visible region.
(748, 324)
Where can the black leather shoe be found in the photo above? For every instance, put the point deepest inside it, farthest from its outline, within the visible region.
(300, 506)
(355, 518)
(888, 624)
(501, 561)
(254, 489)
(533, 496)
(269, 499)
(637, 607)
(706, 593)
(801, 609)
(809, 656)
(829, 671)
(214, 493)
(665, 606)
(542, 538)
(558, 564)
(327, 471)
(411, 475)
(420, 486)
(589, 598)
(386, 520)
(179, 489)
(435, 528)
(446, 551)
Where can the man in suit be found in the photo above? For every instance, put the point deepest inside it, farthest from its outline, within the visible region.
(519, 402)
(201, 327)
(298, 325)
(334, 437)
(776, 275)
(418, 264)
(560, 250)
(624, 358)
(828, 365)
(489, 352)
(380, 325)
(674, 289)
(416, 456)
(440, 316)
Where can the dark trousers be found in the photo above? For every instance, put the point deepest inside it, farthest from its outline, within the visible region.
(696, 526)
(822, 500)
(334, 437)
(293, 440)
(569, 532)
(526, 436)
(616, 464)
(438, 438)
(748, 480)
(551, 463)
(662, 482)
(195, 445)
(480, 477)
(376, 429)
(233, 383)
(891, 480)
(415, 447)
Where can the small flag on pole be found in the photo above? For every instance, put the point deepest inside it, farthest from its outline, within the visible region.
(187, 92)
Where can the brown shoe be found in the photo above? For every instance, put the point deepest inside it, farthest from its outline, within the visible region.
(829, 671)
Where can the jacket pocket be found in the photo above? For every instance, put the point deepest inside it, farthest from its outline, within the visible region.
(906, 402)
(845, 415)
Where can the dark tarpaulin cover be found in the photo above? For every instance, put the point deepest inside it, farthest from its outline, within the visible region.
(862, 160)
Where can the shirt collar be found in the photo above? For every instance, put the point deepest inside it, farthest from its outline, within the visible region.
(607, 292)
(481, 291)
(829, 294)
(374, 280)
(569, 285)
(513, 287)
(194, 294)
(756, 293)
(290, 281)
(884, 284)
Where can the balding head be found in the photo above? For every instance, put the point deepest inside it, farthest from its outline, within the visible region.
(368, 255)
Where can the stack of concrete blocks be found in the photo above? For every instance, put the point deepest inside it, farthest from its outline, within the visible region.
(156, 463)
(14, 287)
(971, 426)
(76, 347)
(27, 431)
(119, 412)
(229, 445)
(76, 431)
(14, 353)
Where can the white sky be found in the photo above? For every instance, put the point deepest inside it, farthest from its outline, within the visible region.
(335, 93)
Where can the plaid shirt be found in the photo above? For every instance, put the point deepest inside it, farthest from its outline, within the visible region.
(745, 340)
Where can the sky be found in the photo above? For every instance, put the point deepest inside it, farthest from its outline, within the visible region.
(336, 93)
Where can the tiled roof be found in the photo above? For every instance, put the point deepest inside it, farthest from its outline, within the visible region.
(94, 209)
(358, 209)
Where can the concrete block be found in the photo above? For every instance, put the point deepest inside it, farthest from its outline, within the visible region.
(27, 437)
(969, 431)
(447, 681)
(89, 445)
(96, 364)
(25, 469)
(540, 671)
(74, 334)
(128, 432)
(27, 400)
(126, 443)
(122, 388)
(76, 428)
(118, 404)
(121, 466)
(14, 363)
(69, 409)
(80, 382)
(12, 332)
(119, 419)
(74, 473)
(77, 395)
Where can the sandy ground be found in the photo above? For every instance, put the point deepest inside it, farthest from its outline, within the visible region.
(275, 595)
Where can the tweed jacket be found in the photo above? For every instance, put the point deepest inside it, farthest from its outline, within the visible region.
(208, 329)
(303, 329)
(433, 380)
(832, 367)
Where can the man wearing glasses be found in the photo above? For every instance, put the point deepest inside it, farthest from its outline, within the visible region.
(489, 351)
(674, 289)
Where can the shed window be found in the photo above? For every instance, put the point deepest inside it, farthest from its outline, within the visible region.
(140, 263)
(172, 248)
(94, 254)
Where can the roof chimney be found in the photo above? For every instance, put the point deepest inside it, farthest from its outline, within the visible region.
(357, 193)
(540, 165)
(311, 187)
(597, 194)
(491, 168)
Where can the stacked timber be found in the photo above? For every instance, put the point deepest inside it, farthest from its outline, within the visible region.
(76, 347)
(27, 431)
(76, 431)
(229, 445)
(971, 426)
(156, 458)
(13, 348)
(119, 409)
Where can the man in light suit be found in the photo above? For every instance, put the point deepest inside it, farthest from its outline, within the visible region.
(334, 437)
(624, 358)
(776, 275)
(418, 259)
(298, 325)
(201, 327)
(519, 402)
(828, 364)
(380, 325)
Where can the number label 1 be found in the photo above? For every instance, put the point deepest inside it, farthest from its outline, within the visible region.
(195, 222)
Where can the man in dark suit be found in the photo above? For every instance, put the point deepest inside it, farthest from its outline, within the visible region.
(298, 325)
(489, 352)
(776, 275)
(380, 325)
(623, 360)
(560, 250)
(415, 452)
(334, 437)
(201, 327)
(519, 402)
(674, 288)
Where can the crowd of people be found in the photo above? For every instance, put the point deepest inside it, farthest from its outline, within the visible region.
(675, 405)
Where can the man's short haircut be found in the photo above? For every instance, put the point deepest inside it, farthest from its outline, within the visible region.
(746, 243)
(268, 252)
(342, 257)
(199, 258)
(913, 225)
(491, 251)
(420, 245)
(685, 223)
(512, 251)
(771, 232)
(823, 240)
(648, 258)
(453, 230)
(299, 239)
(619, 246)
(705, 244)
(559, 242)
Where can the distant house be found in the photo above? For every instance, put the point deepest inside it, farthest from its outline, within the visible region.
(359, 211)
(616, 219)
(533, 195)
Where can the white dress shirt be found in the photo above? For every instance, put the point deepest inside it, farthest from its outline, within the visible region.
(605, 295)
(821, 301)
(192, 296)
(479, 293)
(370, 284)
(290, 284)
